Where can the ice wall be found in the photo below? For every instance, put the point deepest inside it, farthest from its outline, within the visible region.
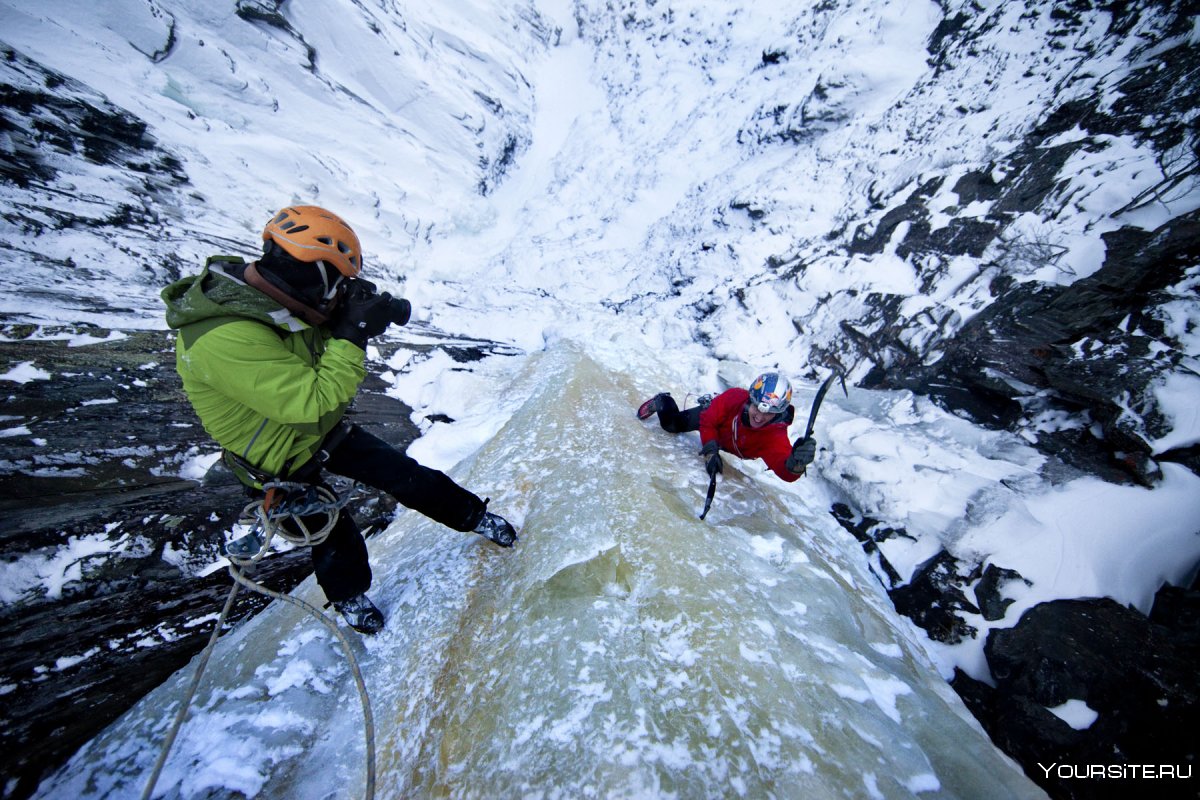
(623, 649)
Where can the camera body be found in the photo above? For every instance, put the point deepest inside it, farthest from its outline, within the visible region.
(362, 292)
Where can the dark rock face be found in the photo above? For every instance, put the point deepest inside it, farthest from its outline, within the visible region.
(51, 120)
(988, 592)
(91, 457)
(1089, 350)
(870, 532)
(107, 431)
(1088, 354)
(934, 597)
(1137, 674)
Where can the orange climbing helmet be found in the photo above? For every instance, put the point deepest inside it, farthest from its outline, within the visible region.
(311, 234)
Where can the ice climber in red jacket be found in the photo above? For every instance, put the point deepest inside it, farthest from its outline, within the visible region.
(750, 423)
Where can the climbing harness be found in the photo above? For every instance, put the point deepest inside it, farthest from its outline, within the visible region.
(284, 501)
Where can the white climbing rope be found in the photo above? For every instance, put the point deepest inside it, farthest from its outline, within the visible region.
(265, 519)
(266, 523)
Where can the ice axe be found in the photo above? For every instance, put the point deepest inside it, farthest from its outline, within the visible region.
(812, 416)
(816, 406)
(712, 491)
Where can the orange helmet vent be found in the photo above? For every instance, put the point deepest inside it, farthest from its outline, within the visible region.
(310, 233)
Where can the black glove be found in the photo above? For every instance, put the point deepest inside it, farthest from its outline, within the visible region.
(802, 455)
(712, 455)
(361, 314)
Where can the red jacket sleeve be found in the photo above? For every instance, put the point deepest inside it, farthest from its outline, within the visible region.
(716, 421)
(776, 453)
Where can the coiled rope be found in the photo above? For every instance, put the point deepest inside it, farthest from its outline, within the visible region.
(265, 520)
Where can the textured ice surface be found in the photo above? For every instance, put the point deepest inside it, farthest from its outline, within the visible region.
(623, 649)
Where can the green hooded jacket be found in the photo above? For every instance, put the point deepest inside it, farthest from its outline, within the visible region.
(266, 385)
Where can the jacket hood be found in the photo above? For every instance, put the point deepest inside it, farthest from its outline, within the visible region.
(219, 291)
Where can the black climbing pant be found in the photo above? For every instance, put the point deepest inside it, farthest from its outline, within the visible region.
(340, 562)
(673, 420)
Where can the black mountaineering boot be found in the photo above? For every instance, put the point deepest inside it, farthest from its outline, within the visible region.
(361, 614)
(497, 529)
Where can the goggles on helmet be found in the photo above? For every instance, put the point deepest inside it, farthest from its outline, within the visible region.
(771, 393)
(771, 404)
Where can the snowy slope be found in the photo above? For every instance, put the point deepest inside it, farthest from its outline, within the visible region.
(393, 118)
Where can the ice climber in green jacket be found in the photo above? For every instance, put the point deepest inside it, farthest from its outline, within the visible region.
(271, 354)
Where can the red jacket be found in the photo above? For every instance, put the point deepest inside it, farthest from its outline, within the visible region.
(723, 421)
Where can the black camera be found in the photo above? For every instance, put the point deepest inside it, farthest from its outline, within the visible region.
(361, 292)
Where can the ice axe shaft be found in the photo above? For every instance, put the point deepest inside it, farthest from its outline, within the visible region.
(816, 406)
(712, 491)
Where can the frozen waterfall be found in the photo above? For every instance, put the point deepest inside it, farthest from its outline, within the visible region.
(623, 649)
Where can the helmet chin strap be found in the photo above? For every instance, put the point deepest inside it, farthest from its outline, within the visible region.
(307, 313)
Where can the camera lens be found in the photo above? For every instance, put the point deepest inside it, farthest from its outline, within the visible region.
(399, 311)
